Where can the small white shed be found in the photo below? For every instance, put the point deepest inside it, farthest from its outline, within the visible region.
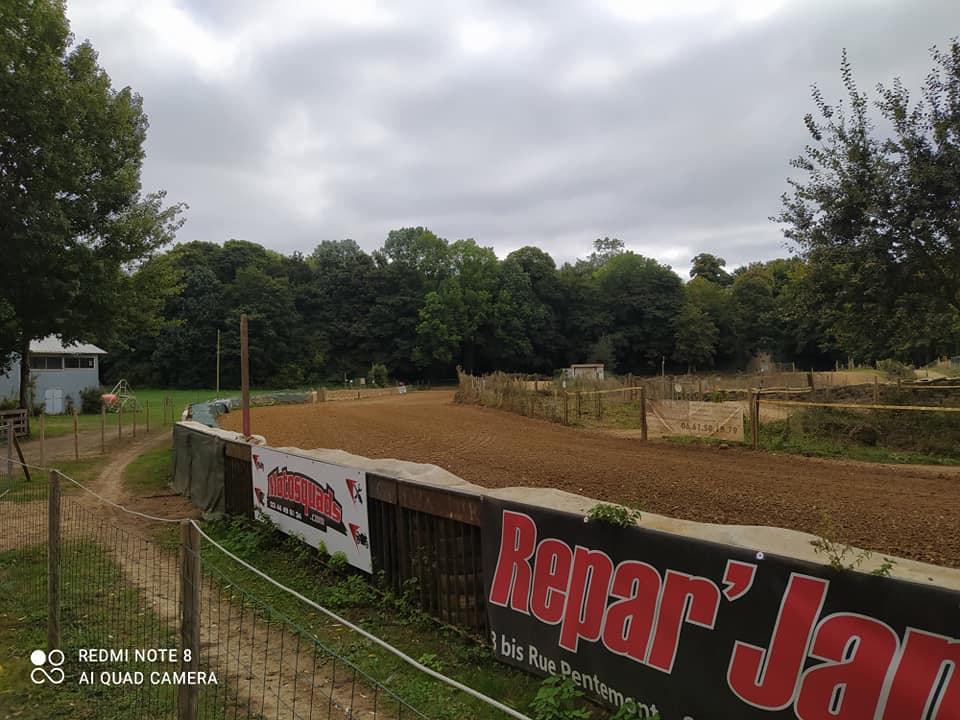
(60, 372)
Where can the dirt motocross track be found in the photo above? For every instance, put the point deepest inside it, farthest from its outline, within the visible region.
(901, 510)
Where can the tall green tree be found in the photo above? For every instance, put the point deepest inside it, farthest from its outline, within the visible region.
(640, 298)
(710, 267)
(696, 337)
(875, 213)
(412, 263)
(72, 215)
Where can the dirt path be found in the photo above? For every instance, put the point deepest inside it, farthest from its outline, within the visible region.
(61, 447)
(270, 672)
(902, 510)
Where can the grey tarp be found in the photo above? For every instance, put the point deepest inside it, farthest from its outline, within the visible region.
(198, 468)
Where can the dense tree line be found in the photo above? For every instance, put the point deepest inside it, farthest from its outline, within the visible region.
(422, 305)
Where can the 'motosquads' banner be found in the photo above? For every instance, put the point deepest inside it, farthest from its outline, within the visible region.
(697, 630)
(314, 500)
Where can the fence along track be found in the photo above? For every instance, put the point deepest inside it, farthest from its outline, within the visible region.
(266, 665)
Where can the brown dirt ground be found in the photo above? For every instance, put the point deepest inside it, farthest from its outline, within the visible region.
(900, 510)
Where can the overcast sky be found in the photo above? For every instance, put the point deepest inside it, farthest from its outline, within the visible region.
(667, 124)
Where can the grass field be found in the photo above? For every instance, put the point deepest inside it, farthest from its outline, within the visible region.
(150, 401)
(84, 624)
(149, 472)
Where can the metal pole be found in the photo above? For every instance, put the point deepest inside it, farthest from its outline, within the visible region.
(103, 428)
(53, 563)
(134, 420)
(190, 579)
(245, 375)
(146, 406)
(218, 364)
(119, 422)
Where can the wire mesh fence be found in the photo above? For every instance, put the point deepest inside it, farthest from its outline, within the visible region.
(160, 626)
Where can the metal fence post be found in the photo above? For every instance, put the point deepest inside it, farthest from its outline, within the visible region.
(188, 695)
(76, 434)
(53, 563)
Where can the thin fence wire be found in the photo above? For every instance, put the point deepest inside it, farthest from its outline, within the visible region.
(128, 593)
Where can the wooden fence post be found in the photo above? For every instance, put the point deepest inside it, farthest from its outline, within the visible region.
(119, 422)
(566, 408)
(755, 420)
(43, 439)
(10, 449)
(76, 435)
(53, 563)
(146, 407)
(643, 412)
(103, 428)
(876, 390)
(244, 377)
(190, 579)
(579, 404)
(134, 420)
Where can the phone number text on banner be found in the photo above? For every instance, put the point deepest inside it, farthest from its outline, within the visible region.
(314, 500)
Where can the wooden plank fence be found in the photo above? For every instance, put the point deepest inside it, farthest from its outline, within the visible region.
(19, 420)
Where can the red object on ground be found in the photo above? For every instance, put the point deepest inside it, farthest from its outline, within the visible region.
(109, 398)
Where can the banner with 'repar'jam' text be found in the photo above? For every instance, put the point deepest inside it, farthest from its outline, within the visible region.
(695, 630)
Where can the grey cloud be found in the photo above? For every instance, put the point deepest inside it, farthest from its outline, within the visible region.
(685, 149)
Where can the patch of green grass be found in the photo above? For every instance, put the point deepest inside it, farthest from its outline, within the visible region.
(883, 437)
(150, 472)
(150, 402)
(98, 609)
(386, 615)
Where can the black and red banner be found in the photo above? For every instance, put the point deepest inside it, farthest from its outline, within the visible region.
(695, 630)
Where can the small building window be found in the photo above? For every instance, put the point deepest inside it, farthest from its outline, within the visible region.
(46, 362)
(75, 363)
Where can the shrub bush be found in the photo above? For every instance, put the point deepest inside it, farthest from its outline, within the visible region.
(378, 375)
(895, 370)
(91, 400)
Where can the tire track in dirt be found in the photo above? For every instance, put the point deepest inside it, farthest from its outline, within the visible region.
(900, 510)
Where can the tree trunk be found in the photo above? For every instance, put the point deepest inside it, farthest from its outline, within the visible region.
(24, 371)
